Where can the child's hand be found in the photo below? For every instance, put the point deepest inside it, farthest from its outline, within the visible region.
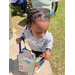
(47, 55)
(18, 40)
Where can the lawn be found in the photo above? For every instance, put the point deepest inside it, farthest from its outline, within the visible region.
(57, 28)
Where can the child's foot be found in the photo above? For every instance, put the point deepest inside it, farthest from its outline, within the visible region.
(54, 12)
(24, 14)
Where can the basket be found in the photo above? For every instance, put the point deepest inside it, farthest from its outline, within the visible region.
(28, 66)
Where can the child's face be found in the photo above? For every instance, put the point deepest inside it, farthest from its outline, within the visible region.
(39, 28)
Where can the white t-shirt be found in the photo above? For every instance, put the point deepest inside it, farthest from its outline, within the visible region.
(38, 44)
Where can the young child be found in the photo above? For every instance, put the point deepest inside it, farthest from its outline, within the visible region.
(36, 33)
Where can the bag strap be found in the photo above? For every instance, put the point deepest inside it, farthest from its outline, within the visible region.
(20, 47)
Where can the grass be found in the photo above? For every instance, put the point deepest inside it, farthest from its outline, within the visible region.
(57, 28)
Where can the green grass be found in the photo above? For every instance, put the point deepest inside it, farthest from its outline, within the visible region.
(57, 28)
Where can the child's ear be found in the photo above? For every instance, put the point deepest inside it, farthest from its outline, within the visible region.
(29, 26)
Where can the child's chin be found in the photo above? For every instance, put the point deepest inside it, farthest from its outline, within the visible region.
(38, 37)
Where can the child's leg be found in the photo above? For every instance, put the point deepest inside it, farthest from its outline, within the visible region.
(37, 53)
(52, 4)
(56, 6)
(18, 3)
(22, 8)
(25, 6)
(21, 3)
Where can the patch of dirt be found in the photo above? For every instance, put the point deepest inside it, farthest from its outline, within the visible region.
(19, 28)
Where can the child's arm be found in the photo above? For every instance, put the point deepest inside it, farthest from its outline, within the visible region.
(18, 40)
(47, 54)
(49, 45)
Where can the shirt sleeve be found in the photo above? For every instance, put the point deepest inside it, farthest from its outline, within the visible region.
(23, 36)
(50, 42)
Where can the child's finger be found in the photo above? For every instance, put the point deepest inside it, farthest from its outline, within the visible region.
(17, 41)
(44, 55)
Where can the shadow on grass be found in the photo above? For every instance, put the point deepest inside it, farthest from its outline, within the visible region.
(15, 13)
(23, 22)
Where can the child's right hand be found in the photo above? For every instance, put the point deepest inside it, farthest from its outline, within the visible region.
(18, 40)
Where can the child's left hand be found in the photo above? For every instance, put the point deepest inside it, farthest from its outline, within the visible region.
(47, 55)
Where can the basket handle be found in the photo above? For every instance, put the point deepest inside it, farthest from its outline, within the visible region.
(20, 47)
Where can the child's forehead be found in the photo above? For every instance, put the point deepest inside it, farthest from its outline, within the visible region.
(41, 19)
(41, 25)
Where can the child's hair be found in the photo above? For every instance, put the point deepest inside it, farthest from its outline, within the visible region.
(37, 13)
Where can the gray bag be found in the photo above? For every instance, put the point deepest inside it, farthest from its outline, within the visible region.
(28, 66)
